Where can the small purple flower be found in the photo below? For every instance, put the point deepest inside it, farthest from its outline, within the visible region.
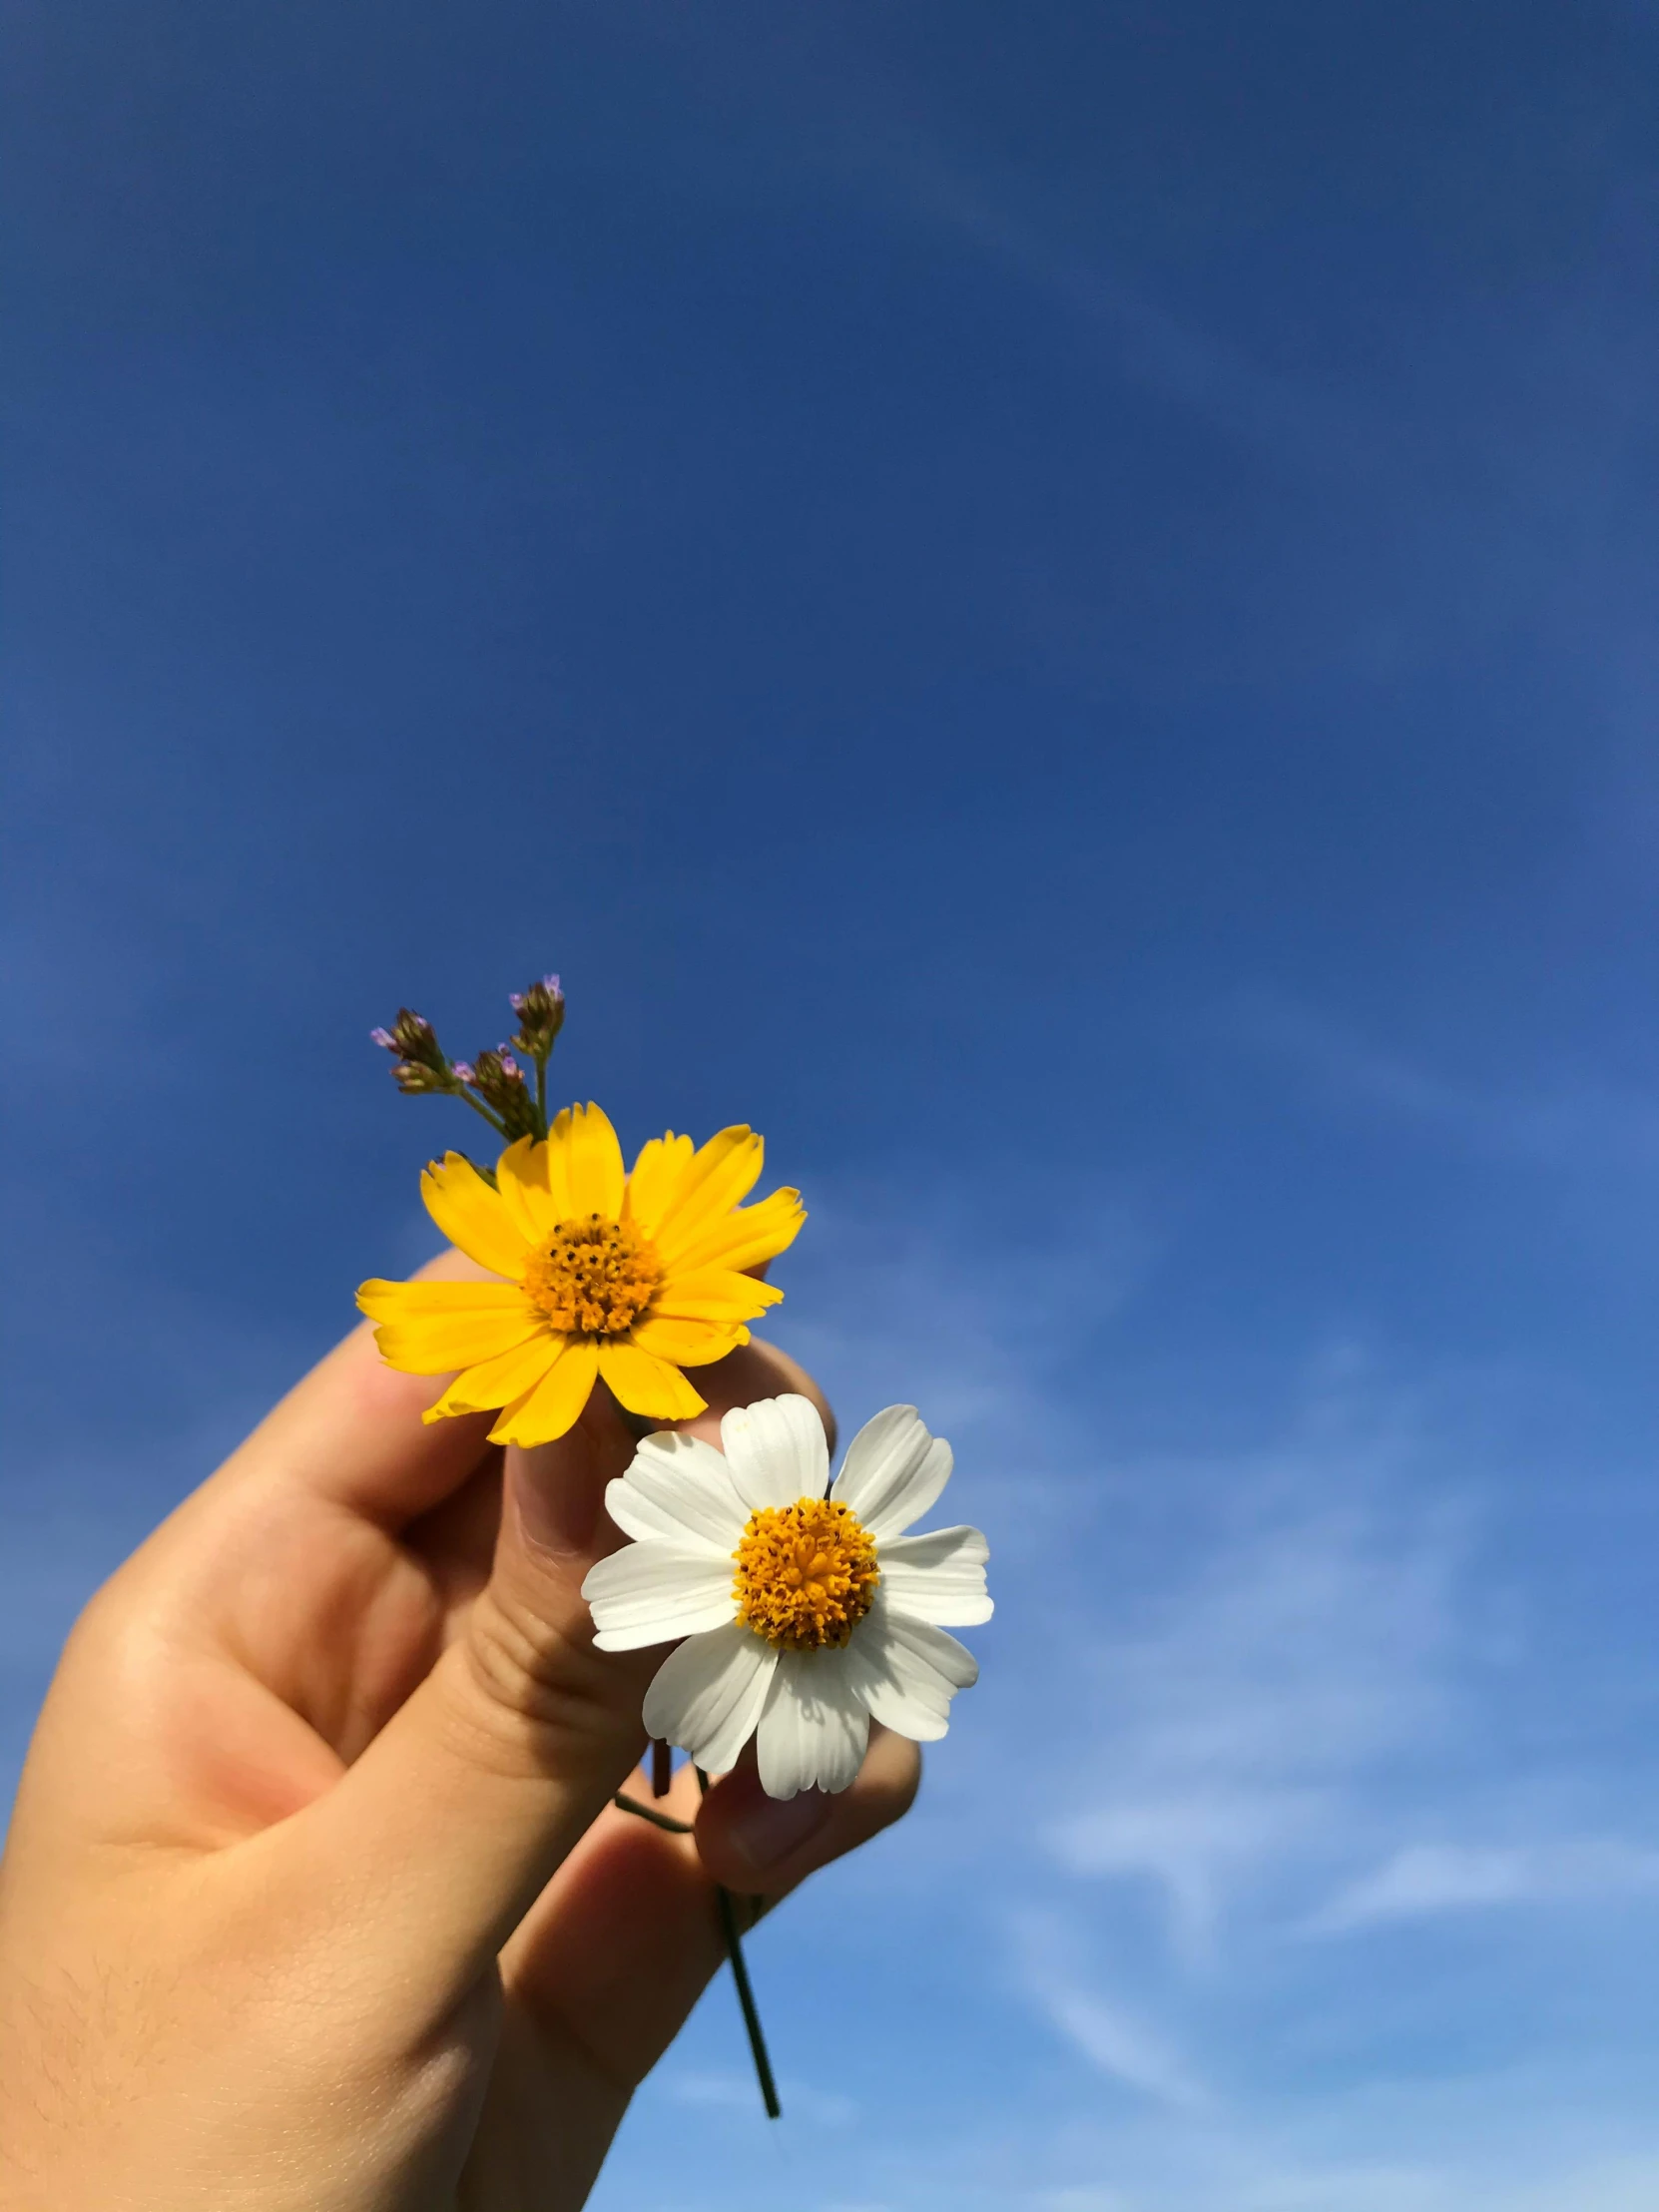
(384, 1038)
(463, 1068)
(550, 985)
(510, 1066)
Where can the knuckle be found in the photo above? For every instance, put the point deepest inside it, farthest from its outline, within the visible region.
(561, 1701)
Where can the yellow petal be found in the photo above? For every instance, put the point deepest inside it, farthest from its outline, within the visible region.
(647, 1384)
(497, 1381)
(472, 1216)
(746, 1237)
(719, 1174)
(411, 1300)
(584, 1145)
(551, 1405)
(521, 1174)
(687, 1343)
(658, 1174)
(435, 1343)
(716, 1294)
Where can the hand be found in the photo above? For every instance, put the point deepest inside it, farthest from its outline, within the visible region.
(315, 1899)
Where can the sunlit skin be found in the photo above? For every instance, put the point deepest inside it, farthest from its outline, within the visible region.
(313, 1898)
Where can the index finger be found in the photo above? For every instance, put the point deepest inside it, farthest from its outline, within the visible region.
(351, 1433)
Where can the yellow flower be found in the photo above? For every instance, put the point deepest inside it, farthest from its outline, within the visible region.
(625, 1277)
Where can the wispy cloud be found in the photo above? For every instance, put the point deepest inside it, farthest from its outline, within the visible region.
(1109, 2035)
(1555, 1123)
(1426, 1880)
(711, 2090)
(1313, 1641)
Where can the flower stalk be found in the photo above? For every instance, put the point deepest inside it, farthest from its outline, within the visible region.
(726, 1907)
(726, 1904)
(493, 1084)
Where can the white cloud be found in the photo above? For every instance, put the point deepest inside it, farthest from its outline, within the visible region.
(1311, 1640)
(1425, 1880)
(1191, 1846)
(709, 2090)
(1111, 2038)
(1562, 1124)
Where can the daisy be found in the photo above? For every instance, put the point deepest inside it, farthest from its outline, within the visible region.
(807, 1611)
(624, 1278)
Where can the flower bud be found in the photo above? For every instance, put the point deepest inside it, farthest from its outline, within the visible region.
(500, 1082)
(410, 1076)
(541, 1013)
(411, 1037)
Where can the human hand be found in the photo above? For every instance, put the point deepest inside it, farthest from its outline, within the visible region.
(315, 1899)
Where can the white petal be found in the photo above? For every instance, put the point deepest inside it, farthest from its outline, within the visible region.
(679, 1486)
(814, 1729)
(651, 1592)
(907, 1672)
(938, 1577)
(894, 1471)
(706, 1696)
(777, 1450)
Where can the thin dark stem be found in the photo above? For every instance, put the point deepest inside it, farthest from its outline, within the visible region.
(663, 1821)
(745, 1998)
(727, 1906)
(541, 1093)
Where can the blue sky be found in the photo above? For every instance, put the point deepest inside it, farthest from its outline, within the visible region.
(1055, 606)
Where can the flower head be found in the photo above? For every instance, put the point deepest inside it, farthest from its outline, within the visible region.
(541, 1013)
(498, 1080)
(601, 1275)
(806, 1609)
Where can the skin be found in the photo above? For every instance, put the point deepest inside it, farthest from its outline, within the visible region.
(315, 1899)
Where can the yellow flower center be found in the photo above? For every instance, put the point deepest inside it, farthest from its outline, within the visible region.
(595, 1279)
(805, 1574)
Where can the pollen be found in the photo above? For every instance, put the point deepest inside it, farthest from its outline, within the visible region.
(595, 1279)
(807, 1574)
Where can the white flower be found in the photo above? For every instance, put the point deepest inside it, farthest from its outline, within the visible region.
(805, 1608)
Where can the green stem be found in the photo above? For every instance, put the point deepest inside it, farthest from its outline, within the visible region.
(541, 1092)
(728, 1909)
(478, 1107)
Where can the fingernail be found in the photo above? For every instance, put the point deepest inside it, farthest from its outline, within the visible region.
(771, 1828)
(557, 1503)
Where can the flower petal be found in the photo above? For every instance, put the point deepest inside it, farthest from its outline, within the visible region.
(658, 1174)
(715, 1294)
(521, 1178)
(472, 1216)
(418, 1340)
(706, 1696)
(940, 1577)
(647, 1384)
(814, 1727)
(717, 1175)
(906, 1672)
(651, 1592)
(777, 1450)
(551, 1408)
(423, 1301)
(688, 1344)
(679, 1486)
(892, 1472)
(746, 1237)
(497, 1381)
(584, 1144)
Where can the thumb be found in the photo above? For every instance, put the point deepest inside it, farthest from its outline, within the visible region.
(429, 1852)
